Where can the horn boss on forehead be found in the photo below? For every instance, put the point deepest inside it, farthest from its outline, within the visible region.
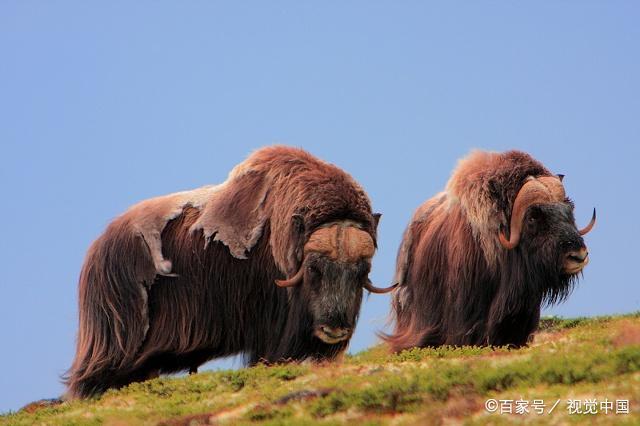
(342, 243)
(345, 244)
(337, 242)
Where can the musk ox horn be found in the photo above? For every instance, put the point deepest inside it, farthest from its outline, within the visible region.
(590, 225)
(543, 190)
(378, 290)
(293, 281)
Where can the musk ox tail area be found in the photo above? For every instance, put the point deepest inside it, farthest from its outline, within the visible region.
(112, 309)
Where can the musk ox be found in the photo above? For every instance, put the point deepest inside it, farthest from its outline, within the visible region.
(478, 260)
(271, 264)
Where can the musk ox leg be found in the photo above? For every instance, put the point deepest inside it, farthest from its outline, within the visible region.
(153, 374)
(513, 329)
(193, 370)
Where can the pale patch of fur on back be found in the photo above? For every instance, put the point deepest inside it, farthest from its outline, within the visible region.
(468, 187)
(238, 236)
(149, 218)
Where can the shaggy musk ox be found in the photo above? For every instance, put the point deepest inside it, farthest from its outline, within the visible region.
(478, 260)
(271, 264)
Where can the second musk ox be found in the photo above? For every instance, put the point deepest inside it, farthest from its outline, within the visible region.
(478, 260)
(272, 264)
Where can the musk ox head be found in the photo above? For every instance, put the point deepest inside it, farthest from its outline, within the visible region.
(335, 269)
(543, 226)
(514, 203)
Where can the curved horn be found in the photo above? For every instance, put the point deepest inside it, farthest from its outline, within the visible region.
(506, 243)
(532, 192)
(590, 225)
(377, 290)
(293, 281)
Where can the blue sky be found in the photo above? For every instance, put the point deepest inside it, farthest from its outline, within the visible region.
(104, 105)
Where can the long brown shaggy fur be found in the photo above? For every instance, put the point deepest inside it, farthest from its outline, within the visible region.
(458, 285)
(181, 279)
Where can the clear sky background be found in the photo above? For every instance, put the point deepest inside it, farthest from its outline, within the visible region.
(105, 105)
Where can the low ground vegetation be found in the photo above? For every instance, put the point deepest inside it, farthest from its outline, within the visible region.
(592, 360)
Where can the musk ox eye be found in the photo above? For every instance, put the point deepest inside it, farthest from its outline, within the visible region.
(535, 216)
(314, 271)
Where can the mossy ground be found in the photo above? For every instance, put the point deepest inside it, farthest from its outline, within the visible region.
(577, 359)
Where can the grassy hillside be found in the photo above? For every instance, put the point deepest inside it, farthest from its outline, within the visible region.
(578, 359)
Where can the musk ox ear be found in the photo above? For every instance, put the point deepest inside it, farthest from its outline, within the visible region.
(376, 220)
(298, 223)
(298, 230)
(235, 214)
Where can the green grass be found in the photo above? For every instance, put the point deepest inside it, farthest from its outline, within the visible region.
(569, 359)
